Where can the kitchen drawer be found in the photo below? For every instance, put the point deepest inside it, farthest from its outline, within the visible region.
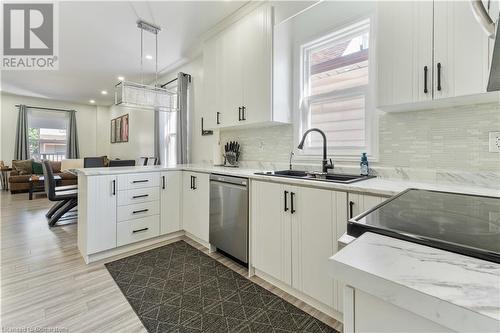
(136, 230)
(137, 210)
(138, 195)
(138, 180)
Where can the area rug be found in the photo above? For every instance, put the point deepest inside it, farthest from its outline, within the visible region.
(177, 288)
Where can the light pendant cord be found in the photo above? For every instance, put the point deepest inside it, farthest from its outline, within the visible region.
(142, 56)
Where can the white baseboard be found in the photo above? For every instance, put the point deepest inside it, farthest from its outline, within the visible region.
(301, 296)
(130, 249)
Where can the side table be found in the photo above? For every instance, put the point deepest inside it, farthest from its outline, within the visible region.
(4, 177)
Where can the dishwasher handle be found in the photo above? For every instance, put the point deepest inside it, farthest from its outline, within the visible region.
(242, 182)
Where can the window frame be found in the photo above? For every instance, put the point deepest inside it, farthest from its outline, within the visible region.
(302, 50)
(55, 156)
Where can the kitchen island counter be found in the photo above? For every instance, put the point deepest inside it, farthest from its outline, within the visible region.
(456, 292)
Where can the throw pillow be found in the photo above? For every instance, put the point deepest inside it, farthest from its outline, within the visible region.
(56, 166)
(37, 168)
(23, 167)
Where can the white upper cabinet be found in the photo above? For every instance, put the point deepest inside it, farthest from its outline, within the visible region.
(238, 67)
(460, 51)
(404, 52)
(428, 50)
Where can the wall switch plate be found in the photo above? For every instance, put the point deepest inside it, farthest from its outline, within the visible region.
(494, 142)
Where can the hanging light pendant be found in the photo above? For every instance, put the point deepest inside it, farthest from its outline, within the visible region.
(140, 95)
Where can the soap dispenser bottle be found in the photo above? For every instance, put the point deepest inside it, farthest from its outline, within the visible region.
(364, 165)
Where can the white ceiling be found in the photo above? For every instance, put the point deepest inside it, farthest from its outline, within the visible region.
(99, 41)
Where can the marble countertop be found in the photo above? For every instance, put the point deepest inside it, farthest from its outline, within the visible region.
(375, 186)
(456, 291)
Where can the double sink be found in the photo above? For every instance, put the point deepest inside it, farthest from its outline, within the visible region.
(326, 177)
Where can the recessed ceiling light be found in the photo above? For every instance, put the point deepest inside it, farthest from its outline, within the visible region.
(104, 92)
(149, 56)
(121, 78)
(91, 101)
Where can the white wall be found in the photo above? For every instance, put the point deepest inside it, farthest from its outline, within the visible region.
(201, 146)
(141, 133)
(85, 116)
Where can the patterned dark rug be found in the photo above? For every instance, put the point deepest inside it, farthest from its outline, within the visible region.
(177, 288)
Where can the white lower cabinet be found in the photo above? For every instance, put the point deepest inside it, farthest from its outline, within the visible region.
(170, 205)
(360, 203)
(195, 204)
(136, 230)
(294, 234)
(97, 213)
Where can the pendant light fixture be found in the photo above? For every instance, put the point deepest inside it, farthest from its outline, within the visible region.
(140, 95)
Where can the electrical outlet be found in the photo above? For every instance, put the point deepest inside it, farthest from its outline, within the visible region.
(494, 142)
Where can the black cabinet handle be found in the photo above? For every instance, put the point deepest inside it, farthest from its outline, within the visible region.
(425, 80)
(140, 211)
(292, 196)
(194, 182)
(140, 181)
(114, 187)
(163, 182)
(351, 205)
(140, 196)
(439, 76)
(191, 182)
(239, 113)
(243, 116)
(218, 119)
(139, 230)
(286, 201)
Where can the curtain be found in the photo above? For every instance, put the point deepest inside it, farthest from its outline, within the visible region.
(21, 147)
(183, 81)
(72, 150)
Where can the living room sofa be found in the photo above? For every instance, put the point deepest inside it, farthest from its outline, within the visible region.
(19, 180)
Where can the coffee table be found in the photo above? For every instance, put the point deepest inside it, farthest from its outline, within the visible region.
(37, 185)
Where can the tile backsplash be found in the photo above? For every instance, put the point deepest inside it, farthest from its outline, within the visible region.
(450, 139)
(439, 141)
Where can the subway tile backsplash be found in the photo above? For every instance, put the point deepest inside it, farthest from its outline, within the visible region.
(432, 144)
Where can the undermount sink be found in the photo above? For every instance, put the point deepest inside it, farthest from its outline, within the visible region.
(334, 178)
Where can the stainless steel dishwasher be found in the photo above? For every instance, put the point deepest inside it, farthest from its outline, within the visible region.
(229, 215)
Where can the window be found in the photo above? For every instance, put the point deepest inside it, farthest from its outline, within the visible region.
(47, 135)
(335, 91)
(168, 131)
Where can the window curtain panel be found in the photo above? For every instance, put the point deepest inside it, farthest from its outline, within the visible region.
(72, 150)
(21, 151)
(183, 83)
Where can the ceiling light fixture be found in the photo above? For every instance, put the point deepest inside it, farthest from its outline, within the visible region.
(121, 78)
(91, 101)
(104, 92)
(140, 95)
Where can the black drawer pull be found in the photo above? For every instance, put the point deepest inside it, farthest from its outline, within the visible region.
(140, 181)
(163, 182)
(351, 205)
(243, 116)
(425, 80)
(292, 196)
(139, 230)
(140, 211)
(114, 187)
(140, 196)
(439, 76)
(239, 114)
(286, 203)
(218, 119)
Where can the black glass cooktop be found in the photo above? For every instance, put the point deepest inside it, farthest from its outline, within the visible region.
(465, 224)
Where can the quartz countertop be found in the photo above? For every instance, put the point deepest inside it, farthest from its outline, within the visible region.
(456, 291)
(374, 186)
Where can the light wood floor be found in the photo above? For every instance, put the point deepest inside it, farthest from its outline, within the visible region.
(46, 284)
